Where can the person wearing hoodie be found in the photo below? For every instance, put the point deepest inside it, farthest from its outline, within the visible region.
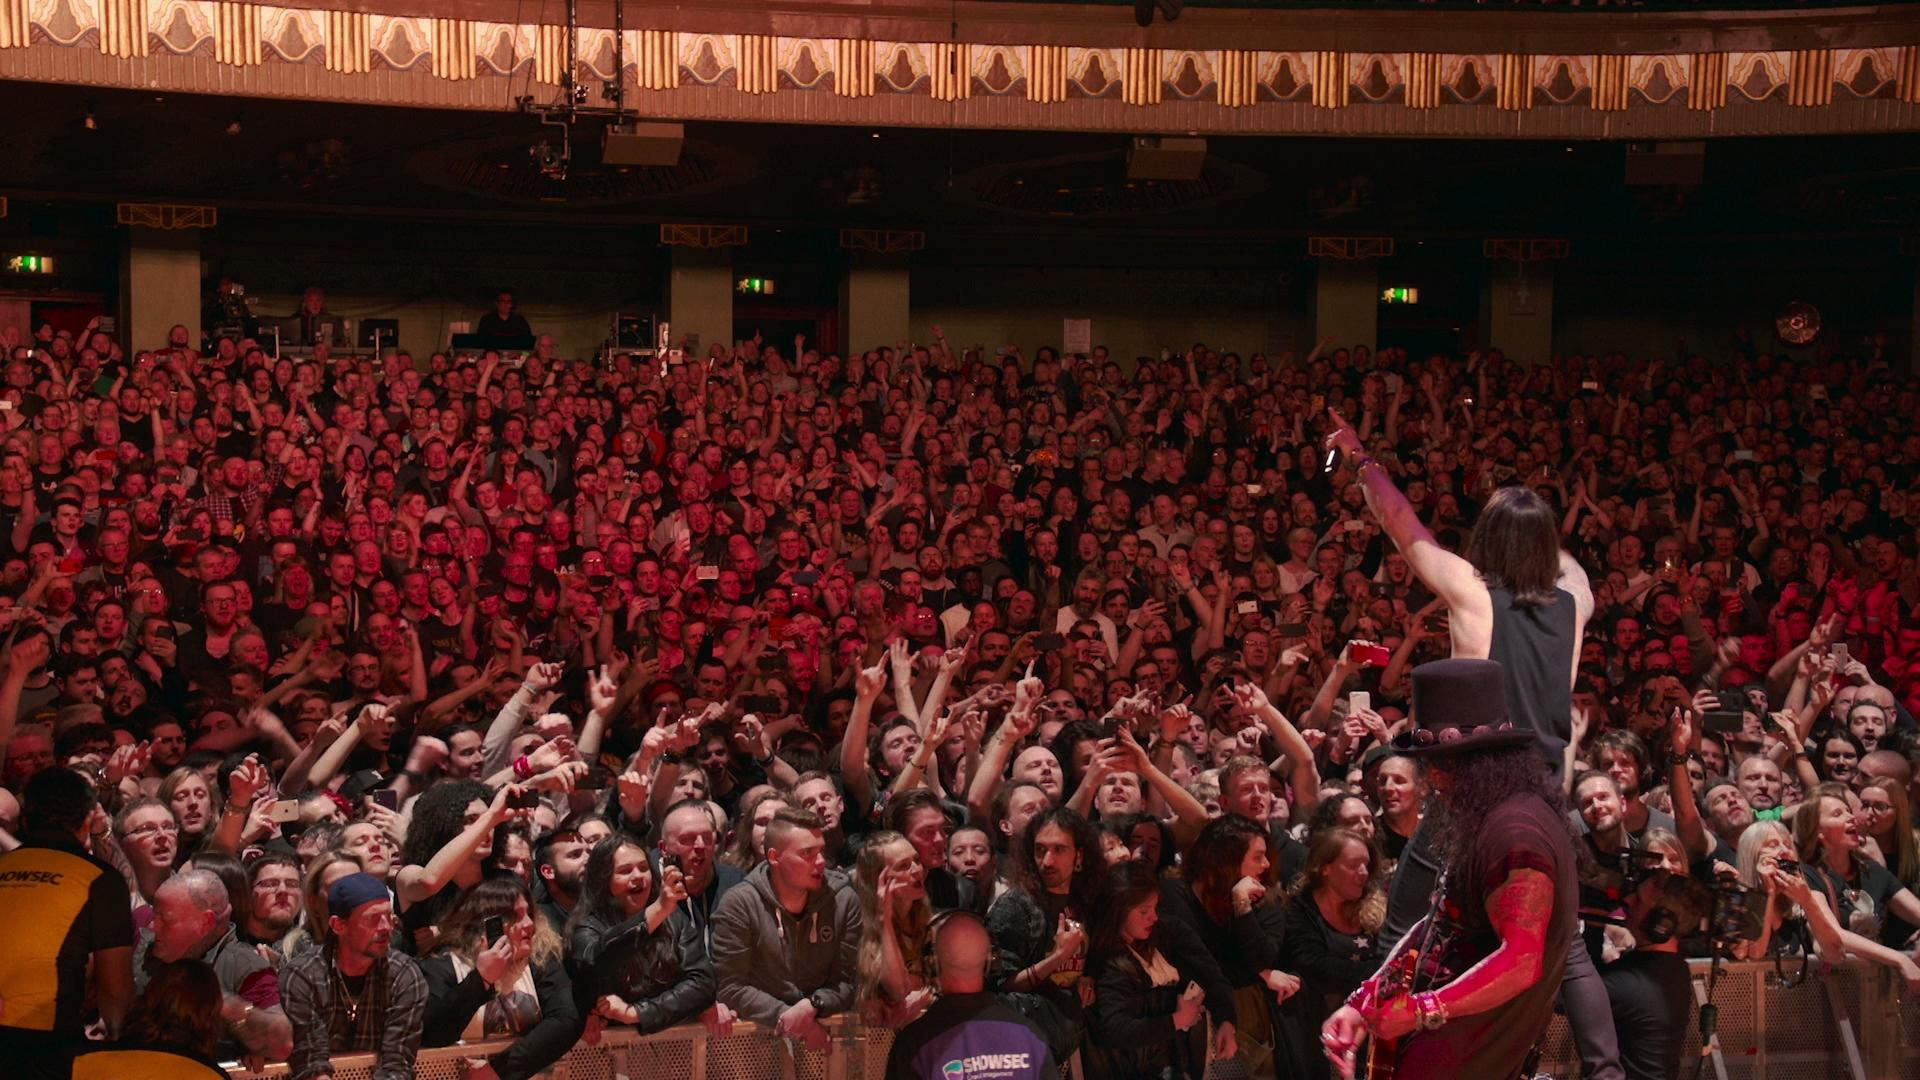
(786, 941)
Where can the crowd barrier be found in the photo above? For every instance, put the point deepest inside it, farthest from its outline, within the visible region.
(1844, 1022)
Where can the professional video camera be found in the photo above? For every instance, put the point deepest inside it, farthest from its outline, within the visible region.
(1739, 913)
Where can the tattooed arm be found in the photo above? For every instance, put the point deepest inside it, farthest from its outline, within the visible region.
(1520, 910)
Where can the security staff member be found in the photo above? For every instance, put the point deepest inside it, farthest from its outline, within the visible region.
(967, 1033)
(61, 907)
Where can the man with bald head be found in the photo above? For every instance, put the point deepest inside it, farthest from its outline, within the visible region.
(1875, 764)
(968, 1032)
(193, 920)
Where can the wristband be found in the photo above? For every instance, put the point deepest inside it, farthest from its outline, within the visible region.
(1429, 1010)
(522, 768)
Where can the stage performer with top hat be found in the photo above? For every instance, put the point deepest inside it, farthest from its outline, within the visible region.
(1470, 989)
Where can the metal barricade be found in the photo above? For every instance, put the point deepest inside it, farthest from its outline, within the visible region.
(1843, 1022)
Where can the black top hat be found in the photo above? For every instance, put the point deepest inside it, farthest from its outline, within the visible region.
(1460, 706)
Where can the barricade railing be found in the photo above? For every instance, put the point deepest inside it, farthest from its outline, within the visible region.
(1838, 1022)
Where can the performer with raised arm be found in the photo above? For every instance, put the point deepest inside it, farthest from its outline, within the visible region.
(1516, 597)
(1470, 990)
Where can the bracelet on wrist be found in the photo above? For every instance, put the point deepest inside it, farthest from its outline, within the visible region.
(522, 767)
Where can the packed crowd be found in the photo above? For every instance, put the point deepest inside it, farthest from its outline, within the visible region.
(360, 706)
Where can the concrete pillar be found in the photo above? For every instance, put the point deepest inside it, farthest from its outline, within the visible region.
(159, 285)
(1346, 303)
(874, 294)
(700, 296)
(1517, 310)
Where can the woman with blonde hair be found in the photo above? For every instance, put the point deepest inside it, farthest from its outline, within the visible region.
(1796, 916)
(497, 973)
(894, 913)
(196, 807)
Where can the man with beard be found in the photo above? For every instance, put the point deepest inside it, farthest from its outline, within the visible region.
(560, 861)
(1400, 793)
(1039, 926)
(1494, 945)
(354, 995)
(273, 880)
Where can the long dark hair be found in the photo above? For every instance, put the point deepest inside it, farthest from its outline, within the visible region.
(180, 1008)
(597, 901)
(1516, 546)
(439, 815)
(1125, 886)
(1480, 781)
(1085, 841)
(1213, 863)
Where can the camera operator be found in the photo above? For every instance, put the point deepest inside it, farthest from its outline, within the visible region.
(1649, 986)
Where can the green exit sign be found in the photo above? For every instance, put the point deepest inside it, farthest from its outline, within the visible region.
(754, 286)
(30, 264)
(1400, 294)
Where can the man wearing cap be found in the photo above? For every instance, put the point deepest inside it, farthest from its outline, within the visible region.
(1491, 954)
(354, 995)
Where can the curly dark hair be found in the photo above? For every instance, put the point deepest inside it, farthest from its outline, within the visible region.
(439, 815)
(1479, 783)
(1085, 841)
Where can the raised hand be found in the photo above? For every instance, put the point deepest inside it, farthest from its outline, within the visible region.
(1249, 698)
(602, 690)
(545, 676)
(870, 682)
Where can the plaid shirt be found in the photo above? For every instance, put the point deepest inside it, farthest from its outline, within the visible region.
(391, 1010)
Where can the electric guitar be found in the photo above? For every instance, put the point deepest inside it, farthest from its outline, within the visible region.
(1395, 980)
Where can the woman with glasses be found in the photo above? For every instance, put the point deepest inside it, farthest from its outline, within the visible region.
(1887, 820)
(1862, 893)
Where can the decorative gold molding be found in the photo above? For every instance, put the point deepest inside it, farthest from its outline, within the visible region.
(1047, 74)
(1023, 68)
(1810, 78)
(703, 236)
(349, 42)
(1239, 76)
(853, 68)
(757, 72)
(16, 31)
(167, 215)
(1707, 82)
(1330, 87)
(1516, 82)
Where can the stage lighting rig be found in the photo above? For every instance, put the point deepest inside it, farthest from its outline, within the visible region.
(627, 142)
